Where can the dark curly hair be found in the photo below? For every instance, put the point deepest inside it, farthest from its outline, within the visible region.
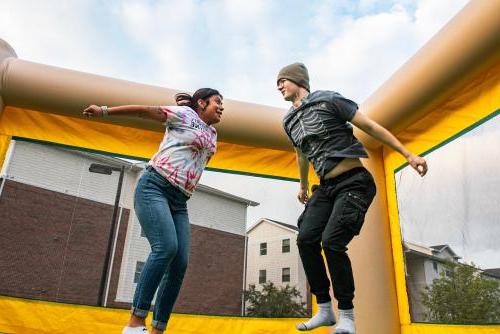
(184, 99)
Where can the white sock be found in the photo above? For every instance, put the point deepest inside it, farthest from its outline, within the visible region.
(324, 317)
(346, 322)
(135, 330)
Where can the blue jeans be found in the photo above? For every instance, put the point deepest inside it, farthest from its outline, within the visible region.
(162, 212)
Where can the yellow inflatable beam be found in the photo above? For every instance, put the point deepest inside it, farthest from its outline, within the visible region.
(32, 86)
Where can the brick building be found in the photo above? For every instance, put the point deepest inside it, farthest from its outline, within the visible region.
(55, 218)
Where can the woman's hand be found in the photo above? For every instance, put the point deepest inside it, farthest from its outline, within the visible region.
(93, 111)
(418, 163)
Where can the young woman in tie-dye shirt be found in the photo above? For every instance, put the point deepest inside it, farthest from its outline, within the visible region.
(188, 145)
(161, 195)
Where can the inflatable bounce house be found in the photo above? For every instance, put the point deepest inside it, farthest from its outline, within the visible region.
(443, 103)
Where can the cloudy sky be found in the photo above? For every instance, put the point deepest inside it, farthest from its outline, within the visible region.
(235, 46)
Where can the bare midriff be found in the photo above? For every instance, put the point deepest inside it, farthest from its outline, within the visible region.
(344, 166)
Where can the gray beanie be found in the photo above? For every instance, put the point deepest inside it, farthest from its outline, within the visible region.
(296, 72)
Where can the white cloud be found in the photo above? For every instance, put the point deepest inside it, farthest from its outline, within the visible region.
(236, 46)
(224, 44)
(364, 51)
(164, 33)
(74, 34)
(21, 24)
(362, 54)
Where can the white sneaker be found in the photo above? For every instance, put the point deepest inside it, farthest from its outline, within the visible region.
(346, 323)
(135, 330)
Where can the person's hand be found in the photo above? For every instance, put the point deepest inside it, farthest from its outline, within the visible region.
(418, 163)
(93, 111)
(303, 195)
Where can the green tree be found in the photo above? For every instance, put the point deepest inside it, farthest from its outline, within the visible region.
(272, 301)
(463, 294)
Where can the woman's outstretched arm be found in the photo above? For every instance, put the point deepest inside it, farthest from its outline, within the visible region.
(152, 112)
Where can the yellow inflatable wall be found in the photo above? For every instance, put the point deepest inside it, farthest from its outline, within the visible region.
(430, 100)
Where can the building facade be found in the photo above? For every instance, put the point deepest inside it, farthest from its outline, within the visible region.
(56, 215)
(272, 256)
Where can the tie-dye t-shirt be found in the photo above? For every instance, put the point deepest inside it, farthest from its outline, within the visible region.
(186, 148)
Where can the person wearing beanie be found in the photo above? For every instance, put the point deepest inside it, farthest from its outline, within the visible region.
(320, 127)
(297, 73)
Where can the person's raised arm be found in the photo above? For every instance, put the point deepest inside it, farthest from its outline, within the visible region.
(380, 133)
(152, 112)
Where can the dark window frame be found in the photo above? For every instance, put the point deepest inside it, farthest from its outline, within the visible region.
(285, 278)
(262, 278)
(263, 250)
(285, 245)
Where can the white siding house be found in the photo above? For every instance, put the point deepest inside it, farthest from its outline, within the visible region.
(67, 171)
(272, 255)
(423, 266)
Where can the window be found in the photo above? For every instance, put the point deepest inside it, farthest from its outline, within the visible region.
(285, 275)
(138, 270)
(285, 246)
(262, 276)
(263, 248)
(435, 232)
